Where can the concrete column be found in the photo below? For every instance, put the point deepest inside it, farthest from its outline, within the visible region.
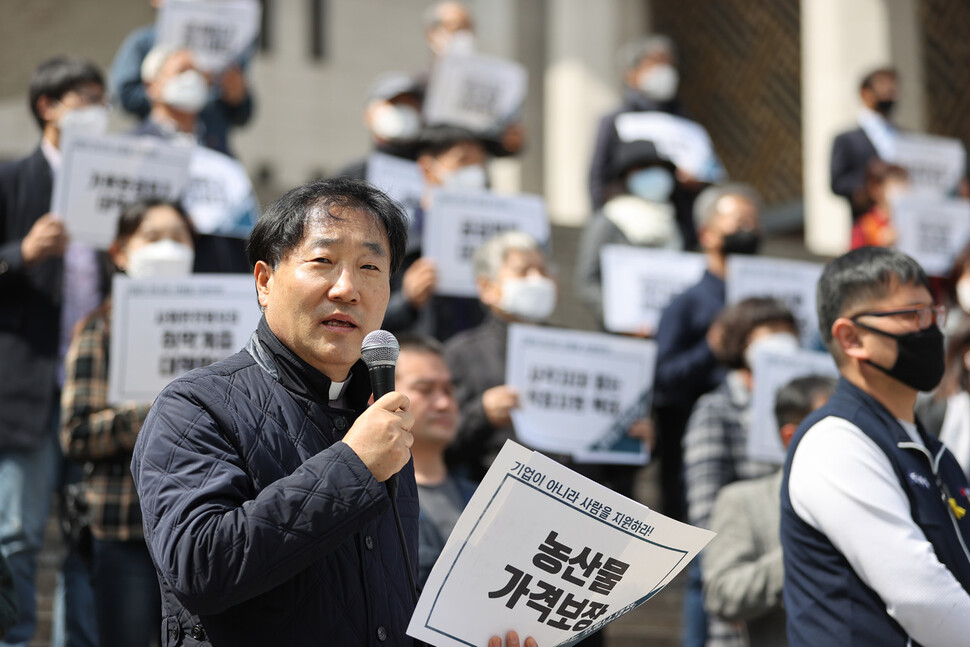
(841, 42)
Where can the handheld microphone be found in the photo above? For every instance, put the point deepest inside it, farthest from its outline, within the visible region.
(379, 352)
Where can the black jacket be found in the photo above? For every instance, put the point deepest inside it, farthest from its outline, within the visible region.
(260, 521)
(851, 152)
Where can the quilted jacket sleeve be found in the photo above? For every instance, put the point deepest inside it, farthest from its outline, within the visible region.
(215, 539)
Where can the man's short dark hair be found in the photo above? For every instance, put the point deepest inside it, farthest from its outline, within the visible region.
(860, 276)
(281, 227)
(796, 400)
(420, 344)
(435, 140)
(739, 321)
(57, 76)
(870, 79)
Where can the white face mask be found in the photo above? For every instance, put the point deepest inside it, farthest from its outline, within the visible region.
(396, 123)
(530, 299)
(963, 293)
(187, 92)
(660, 82)
(89, 120)
(161, 258)
(459, 42)
(779, 342)
(653, 184)
(467, 177)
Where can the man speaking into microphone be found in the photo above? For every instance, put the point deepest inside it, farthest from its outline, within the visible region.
(261, 477)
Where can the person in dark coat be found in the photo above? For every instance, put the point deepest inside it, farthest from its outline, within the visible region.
(264, 478)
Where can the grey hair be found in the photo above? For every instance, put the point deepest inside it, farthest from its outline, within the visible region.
(430, 18)
(155, 60)
(488, 258)
(633, 52)
(705, 206)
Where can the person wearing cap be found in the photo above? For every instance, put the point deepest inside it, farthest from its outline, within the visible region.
(393, 119)
(650, 77)
(637, 212)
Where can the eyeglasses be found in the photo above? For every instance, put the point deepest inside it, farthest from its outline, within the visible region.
(922, 316)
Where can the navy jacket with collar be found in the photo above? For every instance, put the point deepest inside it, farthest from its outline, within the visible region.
(827, 603)
(264, 528)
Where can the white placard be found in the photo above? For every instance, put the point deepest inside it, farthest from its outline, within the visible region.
(682, 141)
(933, 229)
(164, 327)
(935, 164)
(579, 392)
(459, 221)
(549, 553)
(217, 32)
(773, 370)
(480, 93)
(639, 282)
(397, 177)
(220, 197)
(793, 282)
(101, 174)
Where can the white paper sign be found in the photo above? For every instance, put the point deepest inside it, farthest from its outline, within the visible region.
(935, 164)
(639, 282)
(579, 392)
(164, 327)
(217, 32)
(793, 282)
(933, 229)
(549, 553)
(399, 178)
(682, 141)
(474, 91)
(773, 370)
(101, 174)
(220, 197)
(460, 221)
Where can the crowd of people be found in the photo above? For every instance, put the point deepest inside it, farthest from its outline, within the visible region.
(262, 499)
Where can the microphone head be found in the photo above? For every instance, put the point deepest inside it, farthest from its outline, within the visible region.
(380, 348)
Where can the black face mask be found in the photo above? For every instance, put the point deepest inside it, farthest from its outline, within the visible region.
(920, 361)
(885, 106)
(743, 241)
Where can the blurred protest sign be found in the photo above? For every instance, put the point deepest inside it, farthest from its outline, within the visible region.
(683, 142)
(459, 221)
(164, 327)
(220, 197)
(792, 282)
(217, 32)
(480, 93)
(934, 164)
(773, 370)
(580, 392)
(397, 177)
(639, 282)
(933, 229)
(101, 174)
(547, 552)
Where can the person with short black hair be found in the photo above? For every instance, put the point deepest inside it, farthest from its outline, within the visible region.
(874, 526)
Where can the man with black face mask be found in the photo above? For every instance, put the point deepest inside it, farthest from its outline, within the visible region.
(875, 136)
(874, 527)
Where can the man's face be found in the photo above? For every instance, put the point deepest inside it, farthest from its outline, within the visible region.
(518, 264)
(646, 65)
(330, 290)
(734, 213)
(437, 168)
(880, 349)
(884, 87)
(453, 17)
(179, 62)
(83, 96)
(425, 379)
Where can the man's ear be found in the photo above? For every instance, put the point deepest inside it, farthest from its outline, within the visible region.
(263, 274)
(426, 166)
(786, 432)
(47, 108)
(489, 291)
(846, 336)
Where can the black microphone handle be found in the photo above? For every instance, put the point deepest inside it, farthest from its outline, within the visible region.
(382, 383)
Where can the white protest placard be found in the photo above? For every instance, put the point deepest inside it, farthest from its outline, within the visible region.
(549, 553)
(220, 197)
(164, 327)
(682, 141)
(579, 392)
(474, 91)
(101, 174)
(935, 164)
(459, 221)
(397, 177)
(639, 282)
(792, 282)
(217, 32)
(933, 229)
(773, 370)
